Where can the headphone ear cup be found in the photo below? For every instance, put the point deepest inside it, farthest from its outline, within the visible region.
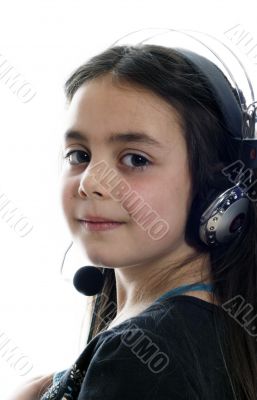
(226, 217)
(217, 215)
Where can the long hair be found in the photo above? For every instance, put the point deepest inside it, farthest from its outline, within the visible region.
(168, 74)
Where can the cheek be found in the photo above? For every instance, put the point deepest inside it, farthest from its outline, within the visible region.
(167, 198)
(66, 196)
(144, 203)
(174, 202)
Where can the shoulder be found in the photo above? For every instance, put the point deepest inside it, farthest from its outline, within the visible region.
(166, 317)
(165, 324)
(167, 351)
(130, 362)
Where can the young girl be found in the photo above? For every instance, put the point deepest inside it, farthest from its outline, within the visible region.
(147, 117)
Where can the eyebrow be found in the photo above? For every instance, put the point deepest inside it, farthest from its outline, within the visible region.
(125, 137)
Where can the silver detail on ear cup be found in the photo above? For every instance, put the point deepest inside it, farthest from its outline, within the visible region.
(225, 217)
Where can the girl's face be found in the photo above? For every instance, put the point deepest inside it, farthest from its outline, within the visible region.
(154, 172)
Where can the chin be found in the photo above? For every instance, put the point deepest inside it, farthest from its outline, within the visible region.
(97, 258)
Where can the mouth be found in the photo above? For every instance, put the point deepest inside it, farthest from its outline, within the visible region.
(100, 225)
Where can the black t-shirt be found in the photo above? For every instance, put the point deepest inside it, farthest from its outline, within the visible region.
(149, 357)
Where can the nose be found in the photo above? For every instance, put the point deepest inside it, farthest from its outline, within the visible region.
(90, 186)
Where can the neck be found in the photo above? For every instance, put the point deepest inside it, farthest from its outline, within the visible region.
(139, 286)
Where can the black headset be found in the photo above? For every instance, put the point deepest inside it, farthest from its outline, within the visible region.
(224, 214)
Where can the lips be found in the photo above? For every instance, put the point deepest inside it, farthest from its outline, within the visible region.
(98, 219)
(100, 226)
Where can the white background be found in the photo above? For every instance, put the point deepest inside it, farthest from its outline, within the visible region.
(41, 313)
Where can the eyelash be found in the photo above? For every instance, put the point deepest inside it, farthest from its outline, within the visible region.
(140, 168)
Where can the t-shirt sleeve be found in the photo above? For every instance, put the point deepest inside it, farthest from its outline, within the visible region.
(133, 365)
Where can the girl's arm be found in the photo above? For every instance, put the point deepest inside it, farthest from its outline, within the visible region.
(34, 388)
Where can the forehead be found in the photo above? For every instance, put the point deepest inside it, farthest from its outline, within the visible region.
(103, 106)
